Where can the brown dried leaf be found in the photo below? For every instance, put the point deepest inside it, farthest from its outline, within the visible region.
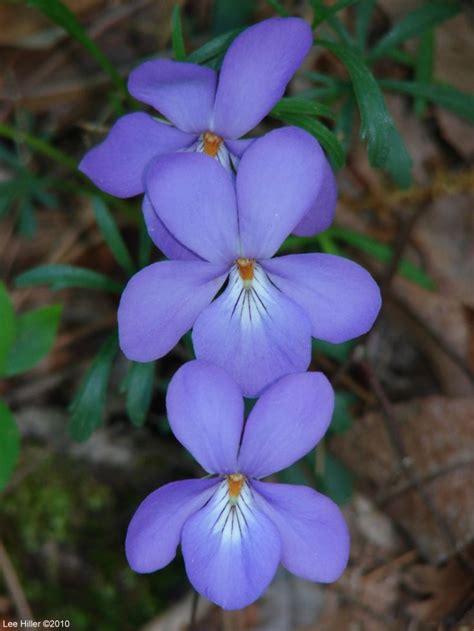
(439, 443)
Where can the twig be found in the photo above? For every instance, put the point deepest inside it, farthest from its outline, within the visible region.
(13, 585)
(194, 608)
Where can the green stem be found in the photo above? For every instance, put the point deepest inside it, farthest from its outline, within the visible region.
(38, 144)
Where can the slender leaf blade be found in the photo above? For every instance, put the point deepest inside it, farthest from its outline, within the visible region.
(385, 146)
(61, 15)
(214, 49)
(383, 253)
(325, 136)
(177, 34)
(444, 95)
(424, 67)
(9, 442)
(60, 276)
(139, 388)
(297, 105)
(8, 326)
(87, 407)
(415, 23)
(112, 236)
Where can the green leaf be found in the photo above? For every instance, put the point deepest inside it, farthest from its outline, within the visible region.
(448, 97)
(63, 276)
(8, 326)
(229, 14)
(424, 67)
(214, 49)
(10, 444)
(279, 8)
(35, 334)
(61, 15)
(385, 146)
(336, 480)
(339, 352)
(321, 12)
(326, 137)
(87, 407)
(112, 236)
(415, 23)
(342, 417)
(363, 16)
(138, 385)
(297, 105)
(177, 34)
(383, 253)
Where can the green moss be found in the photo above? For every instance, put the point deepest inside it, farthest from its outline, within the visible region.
(65, 530)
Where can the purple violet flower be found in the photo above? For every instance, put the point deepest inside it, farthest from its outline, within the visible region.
(208, 113)
(260, 327)
(234, 529)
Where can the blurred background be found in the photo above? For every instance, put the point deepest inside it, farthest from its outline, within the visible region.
(83, 432)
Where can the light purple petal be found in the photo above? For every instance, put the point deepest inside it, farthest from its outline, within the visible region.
(239, 147)
(155, 530)
(277, 182)
(182, 92)
(231, 553)
(194, 197)
(288, 420)
(118, 164)
(339, 296)
(162, 237)
(206, 413)
(161, 302)
(257, 336)
(321, 215)
(315, 538)
(255, 71)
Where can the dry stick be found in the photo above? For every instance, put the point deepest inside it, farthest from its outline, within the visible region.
(398, 446)
(194, 608)
(13, 585)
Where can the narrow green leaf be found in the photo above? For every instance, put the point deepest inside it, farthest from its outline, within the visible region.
(112, 236)
(229, 14)
(138, 385)
(144, 244)
(385, 146)
(9, 444)
(336, 480)
(448, 97)
(297, 105)
(214, 49)
(177, 34)
(322, 12)
(279, 8)
(62, 276)
(339, 352)
(342, 417)
(35, 334)
(345, 121)
(326, 137)
(363, 16)
(415, 23)
(8, 326)
(424, 67)
(61, 15)
(383, 253)
(87, 407)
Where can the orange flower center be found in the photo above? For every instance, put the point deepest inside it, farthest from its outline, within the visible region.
(212, 142)
(246, 269)
(235, 482)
